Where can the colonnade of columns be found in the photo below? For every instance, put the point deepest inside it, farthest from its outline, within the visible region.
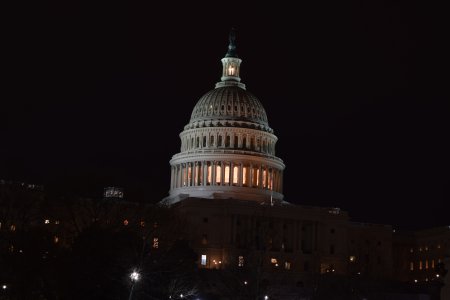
(228, 140)
(207, 173)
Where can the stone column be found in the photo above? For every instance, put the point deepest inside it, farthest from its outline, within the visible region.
(205, 172)
(260, 177)
(250, 182)
(241, 173)
(222, 170)
(171, 177)
(213, 172)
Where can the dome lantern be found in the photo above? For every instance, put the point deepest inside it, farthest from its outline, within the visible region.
(231, 64)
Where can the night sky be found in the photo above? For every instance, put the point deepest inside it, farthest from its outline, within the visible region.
(96, 95)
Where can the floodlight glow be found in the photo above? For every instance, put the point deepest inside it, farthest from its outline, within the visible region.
(135, 276)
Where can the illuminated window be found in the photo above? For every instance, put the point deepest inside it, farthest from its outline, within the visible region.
(125, 222)
(198, 175)
(235, 175)
(155, 242)
(12, 227)
(240, 261)
(273, 260)
(218, 173)
(411, 266)
(142, 223)
(420, 265)
(244, 176)
(439, 261)
(287, 265)
(47, 221)
(256, 177)
(352, 258)
(209, 175)
(426, 248)
(264, 178)
(203, 261)
(231, 70)
(227, 174)
(420, 249)
(426, 264)
(189, 179)
(57, 222)
(432, 263)
(55, 239)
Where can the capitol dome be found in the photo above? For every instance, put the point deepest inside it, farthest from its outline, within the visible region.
(227, 148)
(229, 103)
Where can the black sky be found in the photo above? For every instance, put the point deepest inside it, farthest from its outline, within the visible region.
(96, 95)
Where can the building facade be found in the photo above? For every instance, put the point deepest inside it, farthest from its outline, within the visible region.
(227, 183)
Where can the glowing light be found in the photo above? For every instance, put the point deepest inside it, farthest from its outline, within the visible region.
(266, 297)
(47, 221)
(352, 258)
(125, 222)
(227, 175)
(4, 286)
(240, 261)
(437, 275)
(415, 280)
(245, 282)
(231, 70)
(135, 276)
(203, 261)
(181, 296)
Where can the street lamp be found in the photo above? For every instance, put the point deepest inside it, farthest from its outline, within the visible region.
(134, 276)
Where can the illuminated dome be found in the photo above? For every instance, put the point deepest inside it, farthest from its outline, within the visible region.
(229, 103)
(227, 148)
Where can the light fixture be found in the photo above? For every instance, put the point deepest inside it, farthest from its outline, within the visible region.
(135, 276)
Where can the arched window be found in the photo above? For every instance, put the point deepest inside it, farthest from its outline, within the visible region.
(226, 179)
(244, 143)
(211, 141)
(218, 174)
(198, 142)
(204, 141)
(236, 141)
(219, 143)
